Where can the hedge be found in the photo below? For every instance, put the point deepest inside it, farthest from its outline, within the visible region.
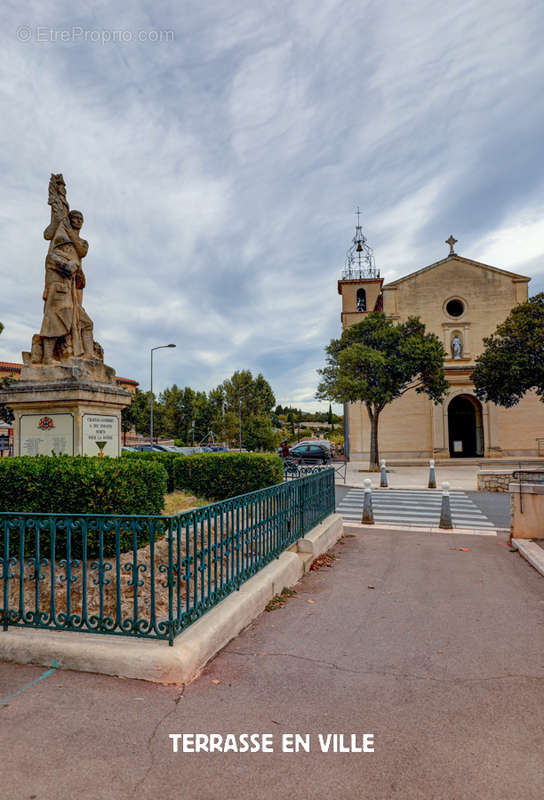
(166, 459)
(76, 485)
(217, 476)
(221, 475)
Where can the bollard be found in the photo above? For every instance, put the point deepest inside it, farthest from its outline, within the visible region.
(368, 516)
(445, 510)
(383, 475)
(432, 476)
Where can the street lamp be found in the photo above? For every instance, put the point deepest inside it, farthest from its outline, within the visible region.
(242, 397)
(151, 412)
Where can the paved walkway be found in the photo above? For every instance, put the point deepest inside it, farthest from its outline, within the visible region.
(412, 507)
(435, 650)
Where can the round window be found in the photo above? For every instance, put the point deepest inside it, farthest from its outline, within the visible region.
(455, 308)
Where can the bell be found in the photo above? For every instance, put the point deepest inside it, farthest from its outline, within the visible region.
(359, 248)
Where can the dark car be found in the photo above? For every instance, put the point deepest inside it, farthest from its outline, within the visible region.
(315, 453)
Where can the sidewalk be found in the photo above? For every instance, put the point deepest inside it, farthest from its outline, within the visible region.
(428, 642)
(413, 477)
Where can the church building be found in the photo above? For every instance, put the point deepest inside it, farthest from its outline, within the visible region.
(461, 301)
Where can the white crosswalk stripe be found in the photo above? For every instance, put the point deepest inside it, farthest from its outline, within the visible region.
(404, 506)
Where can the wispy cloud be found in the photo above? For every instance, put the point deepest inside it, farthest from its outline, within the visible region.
(218, 172)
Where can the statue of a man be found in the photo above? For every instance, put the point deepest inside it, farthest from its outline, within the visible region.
(66, 328)
(457, 347)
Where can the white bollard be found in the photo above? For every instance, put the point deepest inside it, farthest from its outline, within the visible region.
(432, 476)
(383, 475)
(445, 510)
(368, 516)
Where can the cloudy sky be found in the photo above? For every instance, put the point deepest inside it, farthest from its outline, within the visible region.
(218, 150)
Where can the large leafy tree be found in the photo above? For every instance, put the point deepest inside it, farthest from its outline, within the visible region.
(376, 362)
(513, 359)
(254, 400)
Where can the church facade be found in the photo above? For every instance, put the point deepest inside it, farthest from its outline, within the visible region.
(461, 301)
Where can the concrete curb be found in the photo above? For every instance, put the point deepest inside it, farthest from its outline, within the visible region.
(532, 552)
(378, 527)
(155, 660)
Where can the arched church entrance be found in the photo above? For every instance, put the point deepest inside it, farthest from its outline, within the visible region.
(465, 426)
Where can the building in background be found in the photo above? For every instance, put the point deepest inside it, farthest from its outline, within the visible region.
(461, 301)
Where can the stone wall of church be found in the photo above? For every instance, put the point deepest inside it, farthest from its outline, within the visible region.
(488, 297)
(405, 429)
(520, 427)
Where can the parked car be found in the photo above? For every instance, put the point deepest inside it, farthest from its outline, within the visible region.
(315, 453)
(322, 442)
(126, 449)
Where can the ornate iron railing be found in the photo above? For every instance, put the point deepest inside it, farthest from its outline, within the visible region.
(148, 576)
(293, 469)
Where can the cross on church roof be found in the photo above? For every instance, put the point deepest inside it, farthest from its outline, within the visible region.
(451, 241)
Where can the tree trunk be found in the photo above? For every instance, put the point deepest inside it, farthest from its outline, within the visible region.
(374, 462)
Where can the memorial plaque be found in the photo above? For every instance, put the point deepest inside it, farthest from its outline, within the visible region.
(45, 434)
(100, 435)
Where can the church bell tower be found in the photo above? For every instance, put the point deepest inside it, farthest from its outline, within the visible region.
(360, 285)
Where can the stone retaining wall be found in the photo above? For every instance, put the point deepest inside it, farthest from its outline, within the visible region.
(496, 481)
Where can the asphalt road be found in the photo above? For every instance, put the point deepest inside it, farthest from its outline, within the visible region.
(495, 505)
(442, 660)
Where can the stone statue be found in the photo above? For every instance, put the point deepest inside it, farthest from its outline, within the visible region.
(65, 346)
(457, 347)
(66, 329)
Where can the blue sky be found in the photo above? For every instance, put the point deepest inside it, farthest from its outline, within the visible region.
(218, 151)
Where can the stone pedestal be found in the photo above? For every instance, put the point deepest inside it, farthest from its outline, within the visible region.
(72, 416)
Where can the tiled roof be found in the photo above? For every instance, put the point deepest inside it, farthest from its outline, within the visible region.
(126, 380)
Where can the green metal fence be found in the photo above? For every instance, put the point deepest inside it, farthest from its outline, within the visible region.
(148, 576)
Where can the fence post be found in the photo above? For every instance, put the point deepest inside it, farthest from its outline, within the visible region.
(445, 510)
(368, 516)
(383, 475)
(432, 476)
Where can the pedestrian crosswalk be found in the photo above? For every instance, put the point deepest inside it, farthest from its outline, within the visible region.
(418, 508)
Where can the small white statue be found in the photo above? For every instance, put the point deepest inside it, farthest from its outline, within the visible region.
(457, 347)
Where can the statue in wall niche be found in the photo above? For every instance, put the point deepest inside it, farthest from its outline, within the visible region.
(456, 347)
(67, 330)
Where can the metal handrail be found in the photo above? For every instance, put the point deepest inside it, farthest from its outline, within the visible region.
(148, 576)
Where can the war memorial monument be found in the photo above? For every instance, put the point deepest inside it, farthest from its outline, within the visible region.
(67, 400)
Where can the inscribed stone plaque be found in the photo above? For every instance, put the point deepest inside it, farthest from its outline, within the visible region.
(100, 435)
(44, 434)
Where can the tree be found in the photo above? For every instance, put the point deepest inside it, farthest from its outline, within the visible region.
(254, 399)
(376, 362)
(137, 414)
(513, 359)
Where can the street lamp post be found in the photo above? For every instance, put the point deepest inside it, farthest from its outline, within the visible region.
(242, 397)
(161, 347)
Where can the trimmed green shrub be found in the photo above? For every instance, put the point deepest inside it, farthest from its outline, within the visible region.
(76, 485)
(222, 475)
(166, 459)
